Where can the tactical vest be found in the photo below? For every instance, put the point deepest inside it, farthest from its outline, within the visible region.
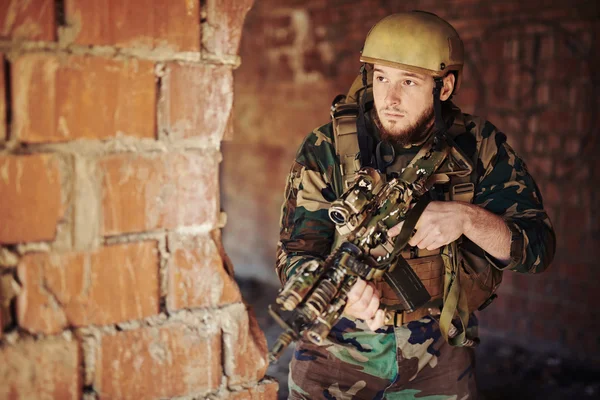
(459, 278)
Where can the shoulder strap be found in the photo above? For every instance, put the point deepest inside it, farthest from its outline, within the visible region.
(462, 188)
(345, 135)
(346, 141)
(351, 130)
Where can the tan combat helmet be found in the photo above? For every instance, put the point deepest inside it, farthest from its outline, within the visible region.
(416, 41)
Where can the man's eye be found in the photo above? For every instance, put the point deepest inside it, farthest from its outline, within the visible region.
(408, 82)
(380, 78)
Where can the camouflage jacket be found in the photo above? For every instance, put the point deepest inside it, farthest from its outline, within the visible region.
(502, 186)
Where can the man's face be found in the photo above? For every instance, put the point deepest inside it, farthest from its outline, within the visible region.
(404, 103)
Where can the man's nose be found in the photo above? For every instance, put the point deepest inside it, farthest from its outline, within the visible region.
(393, 96)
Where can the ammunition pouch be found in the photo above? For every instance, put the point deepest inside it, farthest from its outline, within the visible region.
(430, 269)
(478, 277)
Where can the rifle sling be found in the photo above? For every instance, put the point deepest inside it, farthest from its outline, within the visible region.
(411, 221)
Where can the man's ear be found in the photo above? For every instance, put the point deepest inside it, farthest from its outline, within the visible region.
(449, 81)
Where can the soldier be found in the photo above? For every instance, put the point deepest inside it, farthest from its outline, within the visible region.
(493, 219)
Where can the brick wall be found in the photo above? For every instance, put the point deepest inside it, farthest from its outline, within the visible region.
(530, 69)
(113, 280)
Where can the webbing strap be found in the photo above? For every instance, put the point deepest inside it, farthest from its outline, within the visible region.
(366, 143)
(440, 125)
(455, 302)
(346, 145)
(411, 221)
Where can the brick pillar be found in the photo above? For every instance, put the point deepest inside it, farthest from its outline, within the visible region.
(113, 280)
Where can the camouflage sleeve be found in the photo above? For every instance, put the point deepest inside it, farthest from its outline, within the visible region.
(306, 232)
(506, 189)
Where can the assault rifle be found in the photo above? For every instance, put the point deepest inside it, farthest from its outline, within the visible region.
(313, 299)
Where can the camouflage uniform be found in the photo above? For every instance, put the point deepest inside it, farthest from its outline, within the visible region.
(413, 360)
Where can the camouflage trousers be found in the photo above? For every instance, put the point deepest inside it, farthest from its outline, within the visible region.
(408, 362)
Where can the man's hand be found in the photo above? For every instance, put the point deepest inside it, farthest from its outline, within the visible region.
(441, 223)
(363, 303)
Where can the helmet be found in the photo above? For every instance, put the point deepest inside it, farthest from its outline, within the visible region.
(417, 41)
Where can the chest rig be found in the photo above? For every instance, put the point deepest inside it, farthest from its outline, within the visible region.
(455, 184)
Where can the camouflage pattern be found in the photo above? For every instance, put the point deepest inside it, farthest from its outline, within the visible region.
(411, 361)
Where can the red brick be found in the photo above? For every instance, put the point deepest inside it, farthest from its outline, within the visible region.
(197, 278)
(585, 121)
(543, 95)
(468, 97)
(562, 268)
(574, 315)
(554, 144)
(197, 101)
(530, 142)
(573, 146)
(578, 272)
(496, 321)
(167, 191)
(116, 283)
(544, 330)
(82, 97)
(565, 69)
(225, 21)
(158, 362)
(574, 219)
(245, 348)
(281, 32)
(547, 47)
(174, 25)
(33, 20)
(565, 169)
(522, 326)
(30, 204)
(558, 121)
(43, 369)
(551, 193)
(264, 390)
(540, 167)
(588, 196)
(581, 293)
(543, 309)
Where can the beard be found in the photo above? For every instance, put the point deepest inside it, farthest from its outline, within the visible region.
(405, 136)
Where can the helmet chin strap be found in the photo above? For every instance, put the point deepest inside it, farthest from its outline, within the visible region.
(366, 143)
(440, 125)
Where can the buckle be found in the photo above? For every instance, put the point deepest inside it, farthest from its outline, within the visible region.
(394, 318)
(399, 318)
(462, 192)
